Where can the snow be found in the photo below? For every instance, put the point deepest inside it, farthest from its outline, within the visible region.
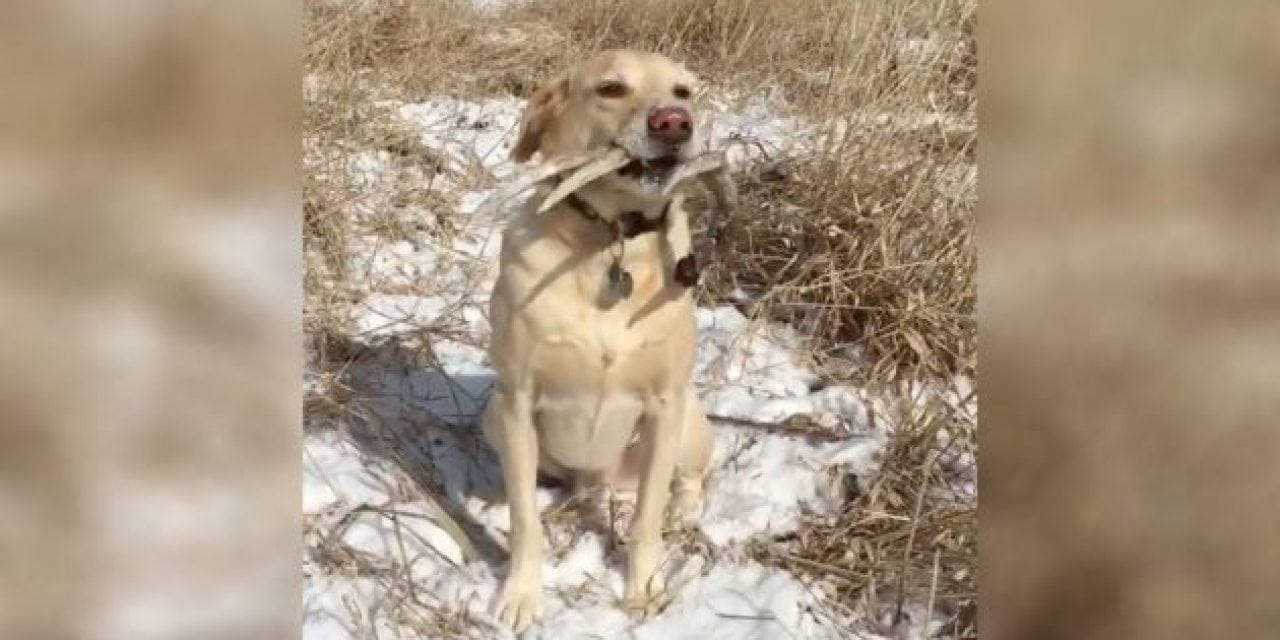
(331, 609)
(410, 529)
(333, 472)
(764, 481)
(433, 294)
(466, 132)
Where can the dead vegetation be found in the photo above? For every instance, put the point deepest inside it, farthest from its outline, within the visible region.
(865, 244)
(908, 537)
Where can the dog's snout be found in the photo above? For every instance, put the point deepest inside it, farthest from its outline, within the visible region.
(671, 124)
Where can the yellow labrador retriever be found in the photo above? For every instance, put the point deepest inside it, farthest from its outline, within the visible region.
(592, 315)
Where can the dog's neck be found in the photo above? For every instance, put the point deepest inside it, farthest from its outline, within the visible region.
(623, 225)
(588, 226)
(610, 206)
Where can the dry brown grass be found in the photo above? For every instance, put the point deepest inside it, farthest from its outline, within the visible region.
(866, 243)
(906, 538)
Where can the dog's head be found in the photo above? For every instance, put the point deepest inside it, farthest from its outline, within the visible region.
(639, 102)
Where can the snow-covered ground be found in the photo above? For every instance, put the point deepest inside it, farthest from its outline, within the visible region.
(430, 291)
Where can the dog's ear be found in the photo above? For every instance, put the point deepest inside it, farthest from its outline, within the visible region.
(545, 105)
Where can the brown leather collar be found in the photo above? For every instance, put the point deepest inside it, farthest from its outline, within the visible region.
(628, 224)
(633, 223)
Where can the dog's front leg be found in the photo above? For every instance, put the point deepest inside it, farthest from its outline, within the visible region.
(664, 421)
(510, 422)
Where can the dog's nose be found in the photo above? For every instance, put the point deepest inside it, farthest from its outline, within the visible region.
(670, 124)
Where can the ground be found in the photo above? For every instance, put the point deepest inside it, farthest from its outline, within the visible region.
(830, 495)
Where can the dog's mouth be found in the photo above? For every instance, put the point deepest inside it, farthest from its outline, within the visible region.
(653, 170)
(666, 173)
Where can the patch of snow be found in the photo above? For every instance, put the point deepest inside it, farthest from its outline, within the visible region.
(472, 200)
(763, 483)
(741, 367)
(383, 315)
(369, 168)
(917, 50)
(752, 128)
(334, 472)
(409, 529)
(336, 608)
(491, 6)
(731, 601)
(469, 133)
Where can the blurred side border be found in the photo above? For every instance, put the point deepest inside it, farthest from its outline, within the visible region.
(150, 291)
(1128, 225)
(150, 351)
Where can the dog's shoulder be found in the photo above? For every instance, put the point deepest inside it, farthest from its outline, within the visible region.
(536, 267)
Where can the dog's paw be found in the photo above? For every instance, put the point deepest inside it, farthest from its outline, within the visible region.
(520, 604)
(645, 596)
(685, 509)
(687, 502)
(645, 602)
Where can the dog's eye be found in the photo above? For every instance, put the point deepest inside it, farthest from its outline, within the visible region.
(611, 89)
(681, 91)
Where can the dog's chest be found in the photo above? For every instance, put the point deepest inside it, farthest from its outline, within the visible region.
(601, 349)
(593, 382)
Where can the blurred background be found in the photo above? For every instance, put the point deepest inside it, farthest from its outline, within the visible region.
(150, 295)
(149, 299)
(1128, 279)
